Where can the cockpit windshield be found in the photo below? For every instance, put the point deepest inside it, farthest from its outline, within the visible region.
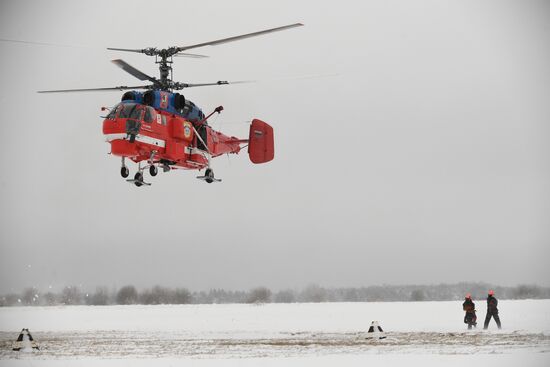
(133, 111)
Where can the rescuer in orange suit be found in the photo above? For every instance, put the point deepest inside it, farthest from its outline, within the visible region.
(469, 306)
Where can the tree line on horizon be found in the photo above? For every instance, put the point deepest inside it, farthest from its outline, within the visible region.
(128, 295)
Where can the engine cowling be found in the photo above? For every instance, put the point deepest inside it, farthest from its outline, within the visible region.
(129, 96)
(149, 98)
(179, 102)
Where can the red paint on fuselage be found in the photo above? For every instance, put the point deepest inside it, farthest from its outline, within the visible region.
(171, 138)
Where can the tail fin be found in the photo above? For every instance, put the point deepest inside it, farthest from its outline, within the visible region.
(260, 147)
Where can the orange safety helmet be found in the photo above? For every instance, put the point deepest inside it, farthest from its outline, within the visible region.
(491, 292)
(468, 295)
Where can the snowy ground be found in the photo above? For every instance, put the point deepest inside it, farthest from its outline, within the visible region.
(427, 333)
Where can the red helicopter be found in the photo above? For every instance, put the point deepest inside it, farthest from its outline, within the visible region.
(165, 130)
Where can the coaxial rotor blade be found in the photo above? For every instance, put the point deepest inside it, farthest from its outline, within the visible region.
(41, 43)
(195, 56)
(125, 49)
(237, 38)
(132, 70)
(122, 87)
(219, 82)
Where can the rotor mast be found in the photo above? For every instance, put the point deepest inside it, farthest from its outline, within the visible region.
(163, 58)
(165, 69)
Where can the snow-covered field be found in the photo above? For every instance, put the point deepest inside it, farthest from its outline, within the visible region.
(427, 333)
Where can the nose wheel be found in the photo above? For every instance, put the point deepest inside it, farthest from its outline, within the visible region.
(209, 176)
(124, 171)
(138, 177)
(138, 180)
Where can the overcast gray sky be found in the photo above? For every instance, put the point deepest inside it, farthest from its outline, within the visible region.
(422, 156)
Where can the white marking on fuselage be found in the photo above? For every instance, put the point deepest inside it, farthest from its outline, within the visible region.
(141, 138)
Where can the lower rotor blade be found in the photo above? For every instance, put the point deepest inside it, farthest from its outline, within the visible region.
(220, 82)
(95, 89)
(132, 70)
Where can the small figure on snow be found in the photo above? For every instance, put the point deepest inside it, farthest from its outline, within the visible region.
(492, 310)
(25, 342)
(470, 307)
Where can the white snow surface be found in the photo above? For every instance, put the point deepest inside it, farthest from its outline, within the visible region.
(528, 315)
(427, 333)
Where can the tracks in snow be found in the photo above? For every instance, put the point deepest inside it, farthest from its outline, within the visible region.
(119, 344)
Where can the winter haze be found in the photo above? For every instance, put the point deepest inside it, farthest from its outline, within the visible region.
(411, 146)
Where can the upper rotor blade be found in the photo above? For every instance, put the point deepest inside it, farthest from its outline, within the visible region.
(42, 43)
(94, 89)
(236, 38)
(124, 49)
(132, 70)
(33, 43)
(195, 56)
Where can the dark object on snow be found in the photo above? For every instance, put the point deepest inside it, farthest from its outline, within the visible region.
(25, 342)
(470, 307)
(375, 331)
(492, 311)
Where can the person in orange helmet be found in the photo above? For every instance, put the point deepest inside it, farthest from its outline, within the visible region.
(492, 310)
(470, 307)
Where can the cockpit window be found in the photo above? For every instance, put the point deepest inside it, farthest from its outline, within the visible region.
(131, 111)
(150, 114)
(112, 114)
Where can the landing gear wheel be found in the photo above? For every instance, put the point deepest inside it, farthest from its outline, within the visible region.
(209, 176)
(153, 170)
(209, 173)
(124, 171)
(138, 179)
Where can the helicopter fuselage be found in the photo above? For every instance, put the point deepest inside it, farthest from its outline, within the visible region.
(165, 130)
(160, 133)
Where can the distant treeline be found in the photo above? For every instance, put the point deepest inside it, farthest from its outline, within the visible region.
(128, 295)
